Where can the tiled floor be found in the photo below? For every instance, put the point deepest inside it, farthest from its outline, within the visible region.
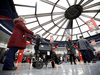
(63, 69)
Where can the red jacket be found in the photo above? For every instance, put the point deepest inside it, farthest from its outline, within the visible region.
(98, 54)
(16, 39)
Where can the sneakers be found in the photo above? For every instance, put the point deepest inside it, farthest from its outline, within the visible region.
(12, 68)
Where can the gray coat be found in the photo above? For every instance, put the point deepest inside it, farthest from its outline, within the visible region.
(83, 44)
(69, 44)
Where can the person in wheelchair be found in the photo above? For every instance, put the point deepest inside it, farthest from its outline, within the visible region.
(39, 40)
(43, 47)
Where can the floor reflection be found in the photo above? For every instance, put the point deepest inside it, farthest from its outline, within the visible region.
(62, 69)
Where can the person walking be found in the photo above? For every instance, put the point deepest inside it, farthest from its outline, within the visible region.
(16, 41)
(71, 50)
(84, 47)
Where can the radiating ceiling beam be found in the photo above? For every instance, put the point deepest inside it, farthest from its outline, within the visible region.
(87, 2)
(57, 31)
(90, 11)
(47, 35)
(92, 5)
(59, 28)
(52, 3)
(82, 20)
(64, 30)
(56, 37)
(41, 15)
(30, 22)
(28, 16)
(43, 24)
(34, 28)
(68, 2)
(59, 22)
(54, 26)
(63, 23)
(49, 14)
(78, 26)
(81, 1)
(24, 5)
(39, 31)
(90, 17)
(75, 2)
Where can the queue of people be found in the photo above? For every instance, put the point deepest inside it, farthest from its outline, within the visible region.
(84, 47)
(18, 41)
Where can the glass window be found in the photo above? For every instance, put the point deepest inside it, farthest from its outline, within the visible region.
(51, 17)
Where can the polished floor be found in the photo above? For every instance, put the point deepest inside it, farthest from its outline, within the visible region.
(63, 69)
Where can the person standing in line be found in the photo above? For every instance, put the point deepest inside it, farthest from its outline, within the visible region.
(71, 50)
(16, 41)
(83, 47)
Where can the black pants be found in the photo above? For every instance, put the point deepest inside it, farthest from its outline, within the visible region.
(72, 58)
(10, 57)
(36, 50)
(86, 55)
(92, 56)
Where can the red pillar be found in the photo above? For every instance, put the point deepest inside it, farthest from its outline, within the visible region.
(20, 54)
(80, 55)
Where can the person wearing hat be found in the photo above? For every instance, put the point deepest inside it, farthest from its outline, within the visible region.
(16, 41)
(83, 47)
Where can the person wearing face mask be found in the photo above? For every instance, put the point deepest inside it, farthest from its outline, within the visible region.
(16, 41)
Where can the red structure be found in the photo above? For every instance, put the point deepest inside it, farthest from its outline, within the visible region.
(80, 55)
(20, 54)
(55, 47)
(5, 18)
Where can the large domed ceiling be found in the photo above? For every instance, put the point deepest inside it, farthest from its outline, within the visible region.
(53, 17)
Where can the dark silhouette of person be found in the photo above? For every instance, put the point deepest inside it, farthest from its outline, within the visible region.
(71, 50)
(83, 46)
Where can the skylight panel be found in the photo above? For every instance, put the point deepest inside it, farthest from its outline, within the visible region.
(74, 24)
(48, 26)
(74, 37)
(24, 10)
(92, 33)
(45, 35)
(76, 31)
(59, 38)
(85, 35)
(84, 28)
(60, 32)
(54, 30)
(32, 25)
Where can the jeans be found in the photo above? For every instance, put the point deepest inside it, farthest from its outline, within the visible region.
(10, 57)
(86, 55)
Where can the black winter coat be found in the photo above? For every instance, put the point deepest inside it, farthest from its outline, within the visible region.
(69, 44)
